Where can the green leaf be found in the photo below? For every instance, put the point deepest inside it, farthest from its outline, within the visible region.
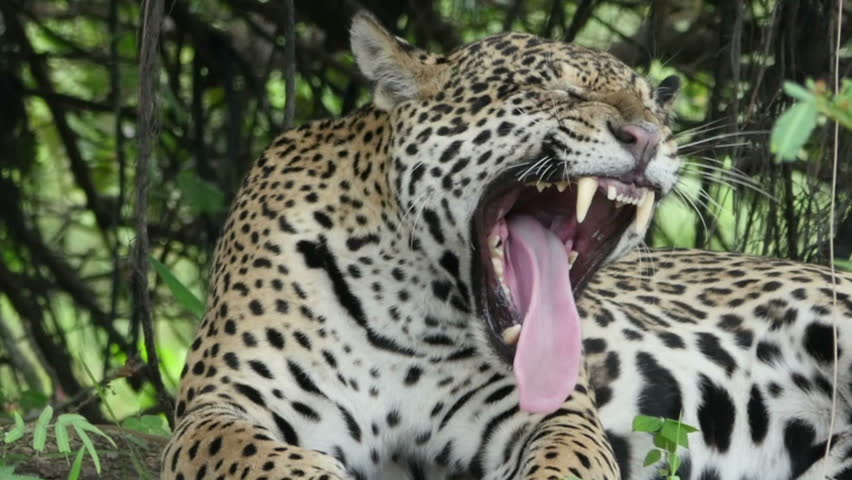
(792, 130)
(7, 472)
(664, 443)
(798, 91)
(674, 463)
(644, 423)
(40, 432)
(201, 195)
(33, 400)
(150, 424)
(674, 432)
(179, 290)
(843, 264)
(77, 466)
(90, 447)
(17, 431)
(60, 429)
(79, 421)
(652, 457)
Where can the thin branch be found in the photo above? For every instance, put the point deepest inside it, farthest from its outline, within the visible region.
(148, 72)
(290, 65)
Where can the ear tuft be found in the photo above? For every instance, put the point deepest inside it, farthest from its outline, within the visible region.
(394, 66)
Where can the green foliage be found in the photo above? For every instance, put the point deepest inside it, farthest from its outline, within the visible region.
(150, 424)
(81, 426)
(201, 196)
(795, 126)
(178, 289)
(668, 436)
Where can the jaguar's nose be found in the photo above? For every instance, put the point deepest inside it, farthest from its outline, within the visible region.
(641, 139)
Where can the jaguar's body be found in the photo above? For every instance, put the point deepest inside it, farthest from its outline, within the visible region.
(393, 293)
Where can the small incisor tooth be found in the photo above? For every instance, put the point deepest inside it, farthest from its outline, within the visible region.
(586, 188)
(611, 193)
(643, 212)
(561, 186)
(512, 334)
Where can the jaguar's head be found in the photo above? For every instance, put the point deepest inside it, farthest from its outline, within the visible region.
(521, 165)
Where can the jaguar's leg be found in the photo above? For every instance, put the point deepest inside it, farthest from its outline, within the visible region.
(571, 442)
(218, 443)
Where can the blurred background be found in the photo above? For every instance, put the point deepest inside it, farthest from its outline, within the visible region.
(70, 334)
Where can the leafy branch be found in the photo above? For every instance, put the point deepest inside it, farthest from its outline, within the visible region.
(814, 103)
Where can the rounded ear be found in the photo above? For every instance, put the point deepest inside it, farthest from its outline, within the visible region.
(399, 70)
(667, 90)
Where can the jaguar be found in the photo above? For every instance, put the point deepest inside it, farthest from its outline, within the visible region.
(443, 285)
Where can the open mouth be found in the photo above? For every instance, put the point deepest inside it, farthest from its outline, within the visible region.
(538, 244)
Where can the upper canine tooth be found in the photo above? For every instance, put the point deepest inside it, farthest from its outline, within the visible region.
(494, 240)
(610, 192)
(561, 186)
(586, 188)
(643, 212)
(511, 334)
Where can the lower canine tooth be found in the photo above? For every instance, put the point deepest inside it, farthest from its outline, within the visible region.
(572, 257)
(511, 334)
(643, 212)
(498, 266)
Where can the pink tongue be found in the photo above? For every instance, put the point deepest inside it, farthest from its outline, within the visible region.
(547, 361)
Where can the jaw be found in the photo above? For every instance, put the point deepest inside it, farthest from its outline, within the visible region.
(537, 245)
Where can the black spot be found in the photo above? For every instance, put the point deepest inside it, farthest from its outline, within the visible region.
(709, 473)
(450, 152)
(351, 424)
(215, 445)
(594, 345)
(716, 415)
(231, 360)
(286, 430)
(819, 340)
(798, 438)
(323, 219)
(768, 352)
(256, 307)
(260, 369)
(621, 449)
(613, 365)
(249, 450)
(660, 397)
(413, 375)
(275, 338)
(758, 415)
(250, 393)
(500, 394)
(306, 411)
(302, 379)
(393, 418)
(710, 347)
(672, 340)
